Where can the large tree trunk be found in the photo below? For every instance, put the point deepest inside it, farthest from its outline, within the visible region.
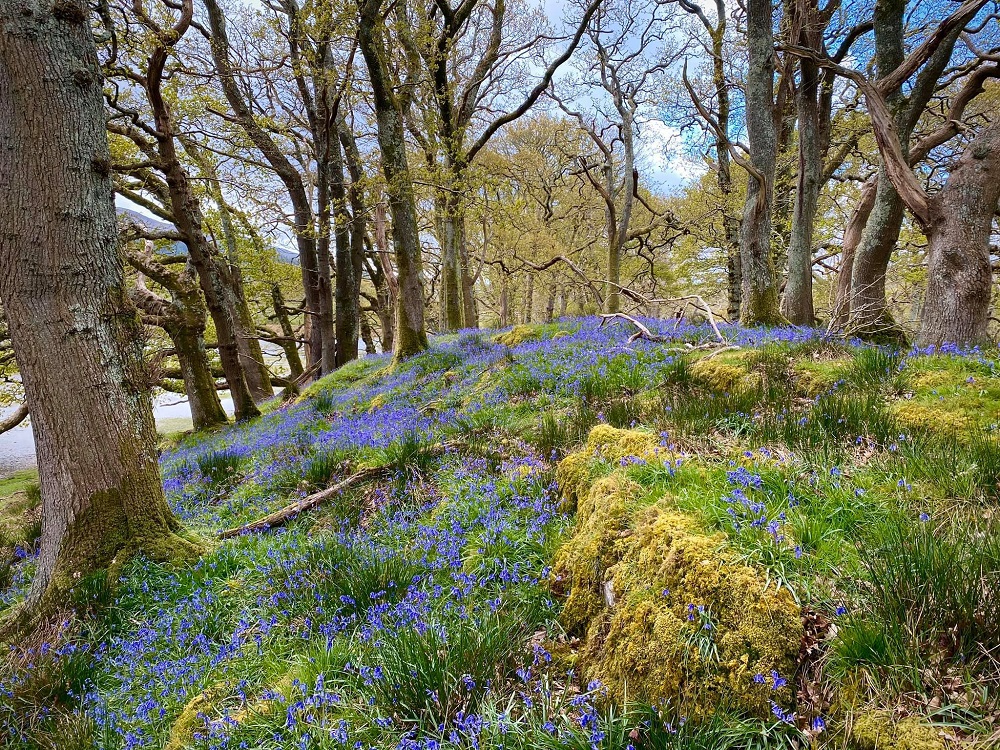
(410, 334)
(797, 305)
(759, 303)
(959, 274)
(76, 337)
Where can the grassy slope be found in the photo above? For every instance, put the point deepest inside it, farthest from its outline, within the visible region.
(420, 612)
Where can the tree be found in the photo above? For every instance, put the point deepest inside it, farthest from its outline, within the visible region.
(74, 332)
(957, 221)
(759, 296)
(410, 333)
(869, 314)
(625, 77)
(159, 143)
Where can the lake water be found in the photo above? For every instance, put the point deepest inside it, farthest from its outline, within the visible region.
(17, 446)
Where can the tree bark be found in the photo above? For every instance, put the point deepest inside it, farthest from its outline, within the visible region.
(852, 236)
(959, 274)
(75, 335)
(410, 333)
(759, 303)
(797, 304)
(295, 369)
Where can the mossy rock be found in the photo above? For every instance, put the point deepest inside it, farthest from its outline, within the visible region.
(189, 722)
(635, 577)
(581, 564)
(877, 731)
(726, 373)
(519, 334)
(576, 472)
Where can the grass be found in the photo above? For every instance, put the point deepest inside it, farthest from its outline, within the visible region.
(419, 612)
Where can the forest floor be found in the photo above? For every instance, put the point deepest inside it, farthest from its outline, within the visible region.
(559, 536)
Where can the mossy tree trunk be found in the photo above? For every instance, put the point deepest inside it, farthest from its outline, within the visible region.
(410, 333)
(184, 318)
(759, 293)
(75, 335)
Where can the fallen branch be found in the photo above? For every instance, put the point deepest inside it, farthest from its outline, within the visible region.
(286, 514)
(283, 515)
(642, 333)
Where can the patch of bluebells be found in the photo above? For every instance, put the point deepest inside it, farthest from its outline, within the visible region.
(189, 630)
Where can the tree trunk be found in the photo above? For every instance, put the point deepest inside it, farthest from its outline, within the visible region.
(301, 208)
(759, 293)
(349, 318)
(529, 299)
(468, 281)
(797, 305)
(452, 289)
(251, 355)
(74, 333)
(869, 315)
(410, 334)
(289, 346)
(724, 177)
(852, 236)
(199, 383)
(959, 274)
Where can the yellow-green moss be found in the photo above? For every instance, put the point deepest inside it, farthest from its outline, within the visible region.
(814, 377)
(613, 444)
(518, 335)
(949, 394)
(575, 473)
(582, 562)
(188, 723)
(913, 415)
(635, 577)
(726, 372)
(877, 731)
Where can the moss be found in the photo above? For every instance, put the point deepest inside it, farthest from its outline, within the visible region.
(815, 377)
(877, 731)
(377, 402)
(613, 444)
(518, 335)
(726, 372)
(929, 417)
(949, 394)
(189, 723)
(635, 578)
(581, 563)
